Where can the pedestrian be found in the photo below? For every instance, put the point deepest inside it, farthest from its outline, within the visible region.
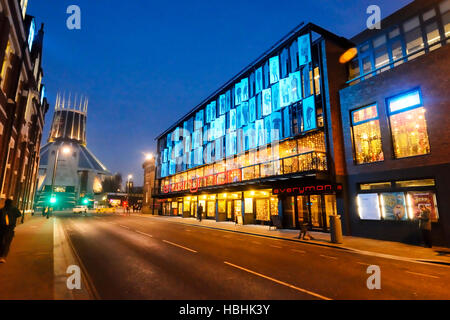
(199, 213)
(425, 225)
(304, 234)
(8, 220)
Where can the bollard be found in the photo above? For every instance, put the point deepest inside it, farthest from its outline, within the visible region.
(336, 229)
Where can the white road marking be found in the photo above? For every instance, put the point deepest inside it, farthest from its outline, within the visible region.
(363, 263)
(145, 234)
(423, 275)
(256, 242)
(177, 245)
(279, 282)
(121, 225)
(276, 246)
(329, 257)
(187, 230)
(300, 251)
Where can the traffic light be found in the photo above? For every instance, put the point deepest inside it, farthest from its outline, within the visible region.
(53, 199)
(85, 201)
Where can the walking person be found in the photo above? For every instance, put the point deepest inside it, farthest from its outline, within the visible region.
(200, 213)
(8, 220)
(425, 225)
(304, 234)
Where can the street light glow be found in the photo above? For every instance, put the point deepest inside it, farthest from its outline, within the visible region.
(130, 176)
(148, 156)
(66, 150)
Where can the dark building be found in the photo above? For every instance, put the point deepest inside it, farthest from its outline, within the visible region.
(396, 126)
(149, 205)
(22, 103)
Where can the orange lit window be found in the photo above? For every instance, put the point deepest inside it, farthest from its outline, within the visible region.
(408, 125)
(366, 135)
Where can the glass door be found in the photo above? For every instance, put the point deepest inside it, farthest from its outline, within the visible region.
(316, 210)
(302, 210)
(230, 215)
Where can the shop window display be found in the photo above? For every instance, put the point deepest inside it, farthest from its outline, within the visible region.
(366, 135)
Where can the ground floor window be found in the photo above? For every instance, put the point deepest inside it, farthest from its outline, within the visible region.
(397, 206)
(262, 209)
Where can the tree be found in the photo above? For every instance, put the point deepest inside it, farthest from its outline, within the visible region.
(112, 183)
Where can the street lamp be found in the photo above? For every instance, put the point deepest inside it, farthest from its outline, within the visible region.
(65, 150)
(148, 156)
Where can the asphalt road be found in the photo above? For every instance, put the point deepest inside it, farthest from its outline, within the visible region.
(134, 257)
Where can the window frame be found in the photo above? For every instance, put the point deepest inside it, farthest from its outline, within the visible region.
(352, 125)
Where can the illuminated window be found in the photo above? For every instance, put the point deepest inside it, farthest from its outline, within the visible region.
(408, 125)
(413, 37)
(366, 135)
(5, 61)
(375, 186)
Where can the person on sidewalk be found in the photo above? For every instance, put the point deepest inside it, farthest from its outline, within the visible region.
(200, 213)
(425, 225)
(8, 219)
(304, 234)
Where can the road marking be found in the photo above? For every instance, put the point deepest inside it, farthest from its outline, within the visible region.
(177, 245)
(423, 275)
(256, 242)
(145, 234)
(187, 230)
(363, 263)
(300, 251)
(329, 257)
(121, 225)
(279, 282)
(276, 246)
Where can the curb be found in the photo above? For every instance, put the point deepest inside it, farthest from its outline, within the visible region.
(370, 253)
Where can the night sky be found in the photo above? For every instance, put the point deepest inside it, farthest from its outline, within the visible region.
(145, 63)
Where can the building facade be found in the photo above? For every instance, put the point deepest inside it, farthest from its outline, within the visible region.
(395, 114)
(267, 143)
(22, 103)
(305, 132)
(149, 203)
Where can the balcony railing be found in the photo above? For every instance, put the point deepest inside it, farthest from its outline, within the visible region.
(389, 65)
(312, 161)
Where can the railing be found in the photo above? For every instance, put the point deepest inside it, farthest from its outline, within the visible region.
(300, 163)
(402, 58)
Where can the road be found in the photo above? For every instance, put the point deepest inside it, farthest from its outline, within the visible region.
(139, 257)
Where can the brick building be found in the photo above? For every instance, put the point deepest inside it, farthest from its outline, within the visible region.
(395, 115)
(22, 102)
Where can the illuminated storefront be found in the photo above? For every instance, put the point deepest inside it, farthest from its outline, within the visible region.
(396, 126)
(265, 128)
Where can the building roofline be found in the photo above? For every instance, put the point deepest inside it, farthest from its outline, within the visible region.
(395, 18)
(294, 33)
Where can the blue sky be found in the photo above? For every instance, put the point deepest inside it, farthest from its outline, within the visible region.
(144, 64)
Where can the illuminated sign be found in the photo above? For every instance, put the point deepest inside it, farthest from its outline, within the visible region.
(311, 189)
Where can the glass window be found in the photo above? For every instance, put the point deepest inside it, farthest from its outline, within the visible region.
(317, 80)
(415, 183)
(444, 6)
(433, 36)
(408, 125)
(381, 58)
(446, 24)
(375, 186)
(420, 201)
(368, 206)
(413, 37)
(429, 14)
(397, 51)
(394, 33)
(366, 135)
(353, 69)
(393, 206)
(367, 67)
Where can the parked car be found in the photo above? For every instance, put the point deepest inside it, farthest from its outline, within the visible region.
(80, 209)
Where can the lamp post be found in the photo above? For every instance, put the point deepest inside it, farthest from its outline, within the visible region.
(65, 150)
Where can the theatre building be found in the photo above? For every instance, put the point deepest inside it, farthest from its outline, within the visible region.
(267, 143)
(395, 115)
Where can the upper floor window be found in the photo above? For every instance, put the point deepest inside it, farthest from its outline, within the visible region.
(31, 34)
(408, 125)
(366, 135)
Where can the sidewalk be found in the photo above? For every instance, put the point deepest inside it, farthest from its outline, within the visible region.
(28, 271)
(387, 249)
